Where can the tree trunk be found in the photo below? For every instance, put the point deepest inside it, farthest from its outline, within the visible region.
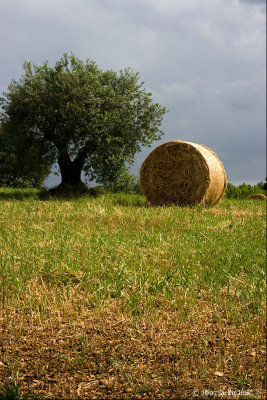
(70, 174)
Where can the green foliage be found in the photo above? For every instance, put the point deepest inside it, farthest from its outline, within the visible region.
(263, 185)
(18, 183)
(21, 161)
(125, 183)
(243, 191)
(85, 118)
(97, 190)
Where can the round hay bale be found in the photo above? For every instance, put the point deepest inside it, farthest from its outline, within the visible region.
(182, 173)
(256, 196)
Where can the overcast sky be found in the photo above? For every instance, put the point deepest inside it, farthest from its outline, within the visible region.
(202, 59)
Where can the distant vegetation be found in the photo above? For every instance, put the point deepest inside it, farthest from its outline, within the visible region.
(124, 183)
(245, 190)
(129, 183)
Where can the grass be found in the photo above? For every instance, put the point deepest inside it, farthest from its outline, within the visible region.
(108, 297)
(14, 389)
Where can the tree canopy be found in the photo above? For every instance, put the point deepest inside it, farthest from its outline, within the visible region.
(84, 118)
(22, 163)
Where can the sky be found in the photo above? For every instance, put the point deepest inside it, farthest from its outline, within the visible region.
(205, 60)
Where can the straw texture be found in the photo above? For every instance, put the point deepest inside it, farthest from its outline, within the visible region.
(182, 173)
(256, 196)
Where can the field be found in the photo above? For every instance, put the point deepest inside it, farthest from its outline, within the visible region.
(109, 298)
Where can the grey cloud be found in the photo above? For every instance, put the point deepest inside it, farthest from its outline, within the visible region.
(253, 1)
(204, 60)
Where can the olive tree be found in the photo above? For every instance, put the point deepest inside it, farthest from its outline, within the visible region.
(23, 163)
(84, 118)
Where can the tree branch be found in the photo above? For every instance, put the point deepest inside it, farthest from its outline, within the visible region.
(83, 153)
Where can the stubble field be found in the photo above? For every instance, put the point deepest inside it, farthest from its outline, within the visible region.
(107, 297)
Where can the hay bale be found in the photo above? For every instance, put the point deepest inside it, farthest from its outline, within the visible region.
(182, 173)
(256, 196)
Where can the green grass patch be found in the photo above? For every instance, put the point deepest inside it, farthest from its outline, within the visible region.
(116, 246)
(106, 296)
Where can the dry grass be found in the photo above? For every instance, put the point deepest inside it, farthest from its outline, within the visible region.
(108, 298)
(96, 354)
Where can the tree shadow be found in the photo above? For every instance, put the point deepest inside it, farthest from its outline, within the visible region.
(18, 195)
(59, 193)
(119, 199)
